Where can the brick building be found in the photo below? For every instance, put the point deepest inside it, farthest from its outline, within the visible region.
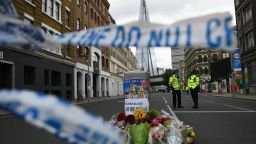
(246, 31)
(74, 73)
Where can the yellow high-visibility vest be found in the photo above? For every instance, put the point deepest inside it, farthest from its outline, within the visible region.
(174, 82)
(193, 81)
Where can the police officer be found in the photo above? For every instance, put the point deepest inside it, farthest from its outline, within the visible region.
(193, 86)
(175, 85)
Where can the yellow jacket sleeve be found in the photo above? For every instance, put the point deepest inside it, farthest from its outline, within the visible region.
(170, 81)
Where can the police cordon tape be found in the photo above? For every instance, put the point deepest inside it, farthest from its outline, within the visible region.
(58, 117)
(210, 31)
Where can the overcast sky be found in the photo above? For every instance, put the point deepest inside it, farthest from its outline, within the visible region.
(167, 12)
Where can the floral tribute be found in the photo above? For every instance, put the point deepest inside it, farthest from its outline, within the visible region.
(153, 127)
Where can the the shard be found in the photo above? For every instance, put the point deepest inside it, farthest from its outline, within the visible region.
(146, 57)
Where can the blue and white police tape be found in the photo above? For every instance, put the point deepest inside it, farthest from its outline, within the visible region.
(210, 31)
(58, 117)
(16, 32)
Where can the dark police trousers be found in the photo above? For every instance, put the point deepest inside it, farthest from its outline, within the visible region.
(194, 94)
(178, 94)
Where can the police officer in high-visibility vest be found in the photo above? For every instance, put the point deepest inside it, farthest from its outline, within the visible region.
(174, 83)
(193, 86)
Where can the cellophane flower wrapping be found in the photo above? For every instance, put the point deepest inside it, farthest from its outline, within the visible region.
(139, 133)
(153, 127)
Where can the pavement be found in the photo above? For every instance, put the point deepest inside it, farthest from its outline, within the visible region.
(230, 95)
(85, 101)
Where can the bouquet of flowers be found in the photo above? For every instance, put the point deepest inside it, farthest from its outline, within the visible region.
(153, 127)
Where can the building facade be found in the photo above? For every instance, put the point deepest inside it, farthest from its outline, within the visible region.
(200, 60)
(122, 60)
(246, 31)
(47, 70)
(73, 72)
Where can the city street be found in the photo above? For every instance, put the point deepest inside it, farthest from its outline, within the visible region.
(218, 120)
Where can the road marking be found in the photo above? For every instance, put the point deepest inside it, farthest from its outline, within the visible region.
(236, 107)
(120, 101)
(215, 111)
(209, 101)
(165, 100)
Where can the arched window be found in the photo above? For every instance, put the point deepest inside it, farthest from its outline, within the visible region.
(206, 70)
(205, 58)
(95, 57)
(214, 57)
(200, 70)
(199, 57)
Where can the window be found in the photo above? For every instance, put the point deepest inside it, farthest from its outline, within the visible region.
(91, 13)
(101, 6)
(250, 40)
(68, 51)
(85, 7)
(78, 50)
(200, 59)
(50, 8)
(102, 61)
(205, 59)
(200, 70)
(46, 77)
(106, 63)
(78, 24)
(56, 78)
(240, 43)
(57, 11)
(44, 5)
(247, 14)
(98, 21)
(214, 57)
(95, 16)
(68, 79)
(67, 18)
(206, 71)
(29, 75)
(239, 21)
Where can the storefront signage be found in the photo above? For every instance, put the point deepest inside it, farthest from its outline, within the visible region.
(236, 60)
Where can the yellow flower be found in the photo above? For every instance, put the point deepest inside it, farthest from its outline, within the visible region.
(139, 114)
(193, 134)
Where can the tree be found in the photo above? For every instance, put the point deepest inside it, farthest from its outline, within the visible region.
(166, 76)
